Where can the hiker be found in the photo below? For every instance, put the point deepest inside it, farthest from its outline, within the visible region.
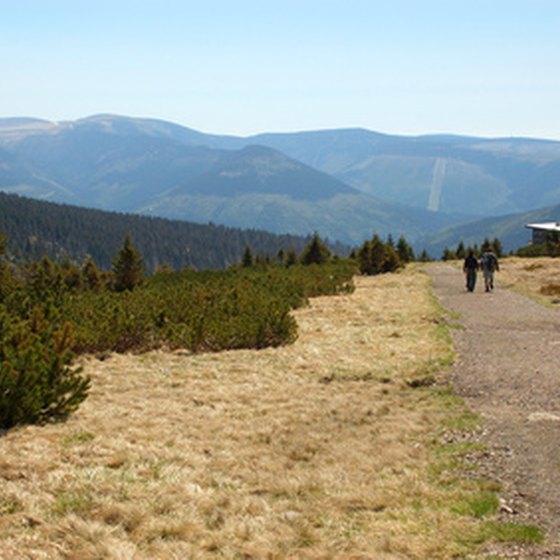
(489, 264)
(470, 268)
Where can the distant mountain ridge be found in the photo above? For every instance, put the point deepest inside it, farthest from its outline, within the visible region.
(509, 229)
(160, 169)
(442, 173)
(345, 184)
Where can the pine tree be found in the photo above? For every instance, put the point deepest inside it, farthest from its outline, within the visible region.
(7, 281)
(460, 251)
(448, 255)
(71, 274)
(46, 283)
(497, 247)
(291, 257)
(364, 258)
(316, 252)
(128, 267)
(247, 261)
(3, 244)
(476, 250)
(392, 261)
(378, 255)
(91, 274)
(404, 250)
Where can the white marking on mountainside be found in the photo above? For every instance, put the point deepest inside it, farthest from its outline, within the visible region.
(438, 175)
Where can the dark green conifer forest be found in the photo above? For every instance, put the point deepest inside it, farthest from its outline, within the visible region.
(37, 228)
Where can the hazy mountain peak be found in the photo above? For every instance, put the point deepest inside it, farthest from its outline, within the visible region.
(22, 122)
(341, 177)
(14, 129)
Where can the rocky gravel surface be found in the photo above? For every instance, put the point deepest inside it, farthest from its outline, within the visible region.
(508, 371)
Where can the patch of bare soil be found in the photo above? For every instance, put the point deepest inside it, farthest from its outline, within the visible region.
(508, 370)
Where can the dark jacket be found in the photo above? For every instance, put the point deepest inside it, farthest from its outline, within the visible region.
(470, 263)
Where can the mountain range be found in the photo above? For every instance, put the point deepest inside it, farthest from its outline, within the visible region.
(345, 184)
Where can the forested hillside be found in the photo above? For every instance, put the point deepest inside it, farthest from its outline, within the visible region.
(37, 228)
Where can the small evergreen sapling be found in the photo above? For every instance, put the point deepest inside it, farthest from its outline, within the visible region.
(247, 261)
(128, 267)
(316, 252)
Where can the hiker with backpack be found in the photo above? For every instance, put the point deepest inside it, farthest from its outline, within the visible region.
(470, 268)
(489, 264)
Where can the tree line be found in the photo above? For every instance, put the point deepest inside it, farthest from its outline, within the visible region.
(37, 228)
(461, 251)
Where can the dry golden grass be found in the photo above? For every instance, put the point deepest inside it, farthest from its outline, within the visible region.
(315, 450)
(538, 278)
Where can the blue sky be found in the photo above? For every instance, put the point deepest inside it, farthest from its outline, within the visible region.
(488, 68)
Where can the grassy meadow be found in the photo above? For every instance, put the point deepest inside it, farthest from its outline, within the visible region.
(339, 445)
(538, 278)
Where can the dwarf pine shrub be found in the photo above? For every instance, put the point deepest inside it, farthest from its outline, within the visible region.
(202, 311)
(196, 310)
(37, 382)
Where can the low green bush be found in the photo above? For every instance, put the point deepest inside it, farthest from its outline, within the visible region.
(202, 311)
(37, 383)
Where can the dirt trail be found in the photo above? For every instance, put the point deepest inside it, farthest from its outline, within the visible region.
(508, 370)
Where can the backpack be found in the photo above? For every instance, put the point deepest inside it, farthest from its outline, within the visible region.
(489, 262)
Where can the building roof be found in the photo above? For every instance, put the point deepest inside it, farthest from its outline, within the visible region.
(546, 226)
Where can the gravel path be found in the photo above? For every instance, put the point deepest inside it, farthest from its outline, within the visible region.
(508, 370)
